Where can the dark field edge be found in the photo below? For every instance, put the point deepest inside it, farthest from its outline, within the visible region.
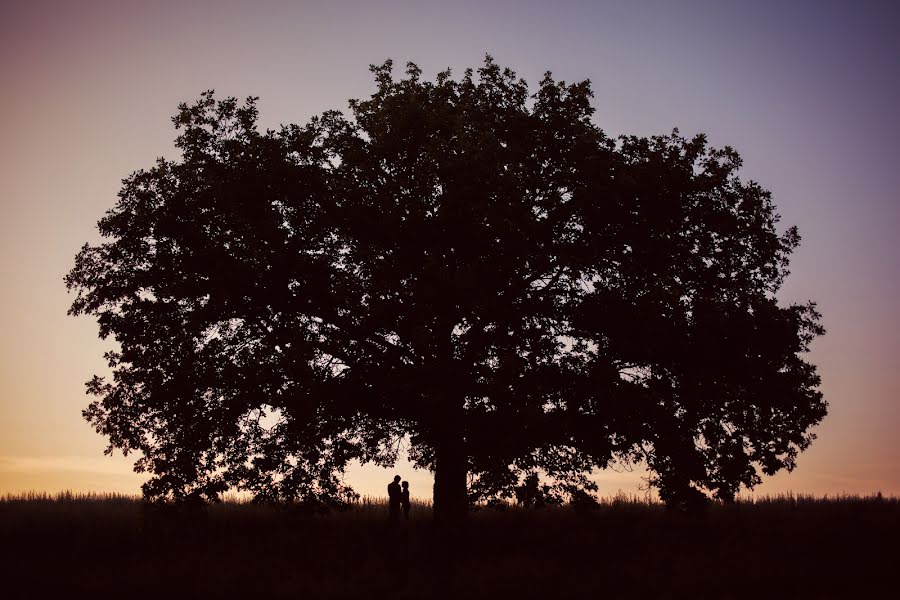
(785, 546)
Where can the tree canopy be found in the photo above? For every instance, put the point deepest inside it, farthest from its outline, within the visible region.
(462, 264)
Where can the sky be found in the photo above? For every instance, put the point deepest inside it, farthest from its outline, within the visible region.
(807, 92)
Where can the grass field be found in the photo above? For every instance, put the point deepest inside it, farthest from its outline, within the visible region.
(790, 547)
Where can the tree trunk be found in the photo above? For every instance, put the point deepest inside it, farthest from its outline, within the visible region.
(451, 464)
(451, 500)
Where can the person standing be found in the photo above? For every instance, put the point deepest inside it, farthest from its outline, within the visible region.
(404, 500)
(394, 497)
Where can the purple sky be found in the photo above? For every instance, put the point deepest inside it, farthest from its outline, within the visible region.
(806, 91)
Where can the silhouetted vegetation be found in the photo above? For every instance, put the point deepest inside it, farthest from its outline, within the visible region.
(789, 546)
(463, 264)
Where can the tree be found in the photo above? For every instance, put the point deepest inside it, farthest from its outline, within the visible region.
(459, 264)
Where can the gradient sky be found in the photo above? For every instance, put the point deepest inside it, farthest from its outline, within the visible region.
(807, 92)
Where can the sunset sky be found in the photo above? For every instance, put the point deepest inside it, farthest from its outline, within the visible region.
(807, 92)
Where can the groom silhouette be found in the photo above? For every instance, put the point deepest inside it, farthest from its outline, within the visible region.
(394, 496)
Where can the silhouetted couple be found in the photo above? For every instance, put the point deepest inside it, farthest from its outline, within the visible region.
(398, 498)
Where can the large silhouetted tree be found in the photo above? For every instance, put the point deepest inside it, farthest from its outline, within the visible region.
(459, 264)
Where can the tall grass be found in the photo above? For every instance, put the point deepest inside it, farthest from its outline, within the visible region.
(377, 507)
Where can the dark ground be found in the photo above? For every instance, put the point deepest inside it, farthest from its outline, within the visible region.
(779, 548)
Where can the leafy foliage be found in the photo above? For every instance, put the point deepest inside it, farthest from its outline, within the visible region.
(463, 264)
